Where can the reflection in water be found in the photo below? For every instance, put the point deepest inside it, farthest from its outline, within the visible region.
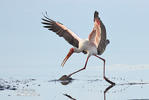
(65, 80)
(69, 97)
(106, 90)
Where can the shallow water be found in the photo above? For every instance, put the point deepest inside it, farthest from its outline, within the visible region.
(132, 83)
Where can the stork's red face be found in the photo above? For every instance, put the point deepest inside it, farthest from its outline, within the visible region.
(68, 55)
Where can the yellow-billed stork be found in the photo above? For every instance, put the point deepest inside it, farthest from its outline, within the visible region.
(94, 45)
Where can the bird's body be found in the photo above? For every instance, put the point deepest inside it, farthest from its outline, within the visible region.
(87, 47)
(94, 45)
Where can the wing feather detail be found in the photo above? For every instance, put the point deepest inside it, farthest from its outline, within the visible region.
(98, 35)
(61, 31)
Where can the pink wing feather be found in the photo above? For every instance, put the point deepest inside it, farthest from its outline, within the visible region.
(98, 35)
(95, 35)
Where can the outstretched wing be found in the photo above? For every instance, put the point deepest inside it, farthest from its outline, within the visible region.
(95, 35)
(98, 35)
(62, 31)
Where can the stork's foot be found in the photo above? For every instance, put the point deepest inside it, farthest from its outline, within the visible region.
(65, 78)
(112, 83)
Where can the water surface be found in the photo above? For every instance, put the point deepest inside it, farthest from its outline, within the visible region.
(132, 83)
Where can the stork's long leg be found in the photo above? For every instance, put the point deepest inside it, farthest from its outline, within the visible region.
(81, 68)
(104, 76)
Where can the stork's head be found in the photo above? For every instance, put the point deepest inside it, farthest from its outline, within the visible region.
(68, 55)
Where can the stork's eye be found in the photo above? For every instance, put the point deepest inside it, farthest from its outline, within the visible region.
(84, 52)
